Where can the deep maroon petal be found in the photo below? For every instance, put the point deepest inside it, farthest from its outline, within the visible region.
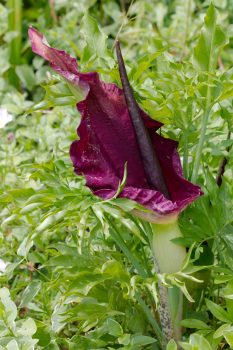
(59, 60)
(107, 141)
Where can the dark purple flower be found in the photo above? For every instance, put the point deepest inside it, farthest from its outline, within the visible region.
(107, 141)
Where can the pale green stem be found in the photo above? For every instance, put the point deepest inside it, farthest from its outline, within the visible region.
(168, 259)
(200, 144)
(205, 118)
(186, 28)
(185, 156)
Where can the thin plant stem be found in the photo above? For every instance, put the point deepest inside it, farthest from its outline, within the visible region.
(185, 156)
(150, 318)
(15, 24)
(138, 267)
(186, 28)
(53, 11)
(222, 165)
(205, 118)
(125, 16)
(122, 3)
(201, 142)
(121, 244)
(15, 45)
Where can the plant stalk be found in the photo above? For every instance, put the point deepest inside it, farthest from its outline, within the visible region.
(208, 107)
(223, 164)
(200, 143)
(15, 25)
(185, 155)
(168, 258)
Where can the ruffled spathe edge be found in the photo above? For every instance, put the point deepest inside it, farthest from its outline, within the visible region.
(100, 156)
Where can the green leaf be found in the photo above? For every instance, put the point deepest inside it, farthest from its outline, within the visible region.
(218, 311)
(171, 345)
(52, 346)
(43, 336)
(229, 337)
(30, 292)
(226, 235)
(27, 328)
(222, 330)
(115, 270)
(58, 318)
(26, 75)
(76, 260)
(114, 328)
(50, 220)
(211, 40)
(25, 246)
(142, 340)
(196, 342)
(85, 281)
(131, 257)
(12, 345)
(8, 308)
(194, 323)
(122, 183)
(125, 339)
(95, 40)
(90, 310)
(30, 207)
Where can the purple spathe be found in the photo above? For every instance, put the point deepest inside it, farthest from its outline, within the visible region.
(107, 141)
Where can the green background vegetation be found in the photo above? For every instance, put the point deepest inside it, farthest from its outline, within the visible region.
(80, 271)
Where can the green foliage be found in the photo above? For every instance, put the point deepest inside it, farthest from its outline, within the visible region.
(79, 271)
(196, 342)
(15, 335)
(211, 40)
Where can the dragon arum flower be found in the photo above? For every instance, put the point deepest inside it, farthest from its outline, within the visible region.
(107, 141)
(115, 131)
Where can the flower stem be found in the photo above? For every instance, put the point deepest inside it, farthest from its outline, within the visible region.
(185, 155)
(168, 259)
(223, 164)
(200, 143)
(188, 15)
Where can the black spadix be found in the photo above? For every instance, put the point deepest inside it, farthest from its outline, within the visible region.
(150, 160)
